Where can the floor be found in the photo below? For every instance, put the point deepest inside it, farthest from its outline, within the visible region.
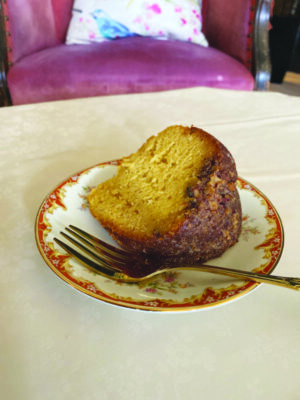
(290, 85)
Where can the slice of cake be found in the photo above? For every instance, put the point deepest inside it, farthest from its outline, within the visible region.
(176, 196)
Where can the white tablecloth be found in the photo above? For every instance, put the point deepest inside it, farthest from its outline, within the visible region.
(57, 343)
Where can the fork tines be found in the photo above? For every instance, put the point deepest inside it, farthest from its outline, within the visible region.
(94, 253)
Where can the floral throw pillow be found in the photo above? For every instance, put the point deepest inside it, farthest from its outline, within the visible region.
(99, 20)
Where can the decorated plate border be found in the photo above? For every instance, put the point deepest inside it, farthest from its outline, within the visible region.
(59, 262)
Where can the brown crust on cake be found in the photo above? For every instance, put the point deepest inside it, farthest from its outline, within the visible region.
(212, 220)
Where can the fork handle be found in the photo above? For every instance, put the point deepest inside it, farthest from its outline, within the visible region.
(289, 282)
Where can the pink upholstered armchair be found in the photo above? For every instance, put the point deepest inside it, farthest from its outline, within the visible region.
(38, 66)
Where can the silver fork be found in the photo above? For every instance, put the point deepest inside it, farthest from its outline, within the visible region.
(114, 263)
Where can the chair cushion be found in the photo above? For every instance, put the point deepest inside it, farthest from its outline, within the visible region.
(129, 65)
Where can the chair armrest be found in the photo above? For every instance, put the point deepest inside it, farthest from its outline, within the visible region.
(228, 26)
(240, 29)
(31, 26)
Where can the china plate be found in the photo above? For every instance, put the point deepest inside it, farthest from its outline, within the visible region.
(258, 249)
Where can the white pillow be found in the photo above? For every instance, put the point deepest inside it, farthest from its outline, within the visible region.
(99, 20)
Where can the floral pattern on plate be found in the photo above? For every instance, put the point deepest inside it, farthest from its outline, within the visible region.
(259, 249)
